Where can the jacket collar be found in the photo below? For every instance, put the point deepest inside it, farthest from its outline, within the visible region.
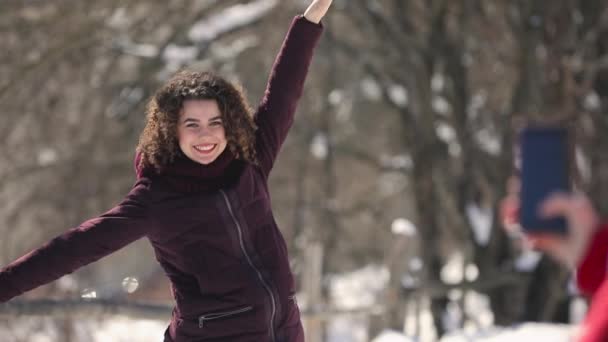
(186, 175)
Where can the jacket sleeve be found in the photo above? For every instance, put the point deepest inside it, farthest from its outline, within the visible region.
(595, 326)
(275, 113)
(79, 246)
(592, 270)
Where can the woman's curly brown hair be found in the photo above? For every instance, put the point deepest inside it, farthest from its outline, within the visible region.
(158, 143)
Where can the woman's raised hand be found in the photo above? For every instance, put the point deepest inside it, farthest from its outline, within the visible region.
(316, 10)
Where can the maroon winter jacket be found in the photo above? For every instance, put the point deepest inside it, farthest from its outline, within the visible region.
(211, 227)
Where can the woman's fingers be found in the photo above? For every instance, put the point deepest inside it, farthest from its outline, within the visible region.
(513, 186)
(557, 204)
(509, 206)
(545, 242)
(559, 248)
(577, 209)
(317, 10)
(509, 209)
(322, 3)
(582, 222)
(509, 214)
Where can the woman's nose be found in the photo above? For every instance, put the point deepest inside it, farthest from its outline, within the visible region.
(203, 131)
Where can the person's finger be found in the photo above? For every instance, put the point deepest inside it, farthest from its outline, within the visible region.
(558, 248)
(509, 216)
(545, 242)
(513, 185)
(509, 210)
(557, 204)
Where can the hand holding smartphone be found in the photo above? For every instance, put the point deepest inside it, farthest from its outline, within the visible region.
(545, 164)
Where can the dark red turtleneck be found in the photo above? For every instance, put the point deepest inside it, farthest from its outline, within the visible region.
(188, 176)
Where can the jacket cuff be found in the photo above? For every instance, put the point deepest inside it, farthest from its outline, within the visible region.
(300, 20)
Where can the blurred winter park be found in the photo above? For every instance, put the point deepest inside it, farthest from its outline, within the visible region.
(387, 190)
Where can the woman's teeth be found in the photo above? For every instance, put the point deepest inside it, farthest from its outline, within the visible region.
(204, 148)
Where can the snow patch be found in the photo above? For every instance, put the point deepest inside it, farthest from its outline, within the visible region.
(488, 141)
(402, 226)
(398, 95)
(358, 289)
(480, 219)
(319, 146)
(392, 336)
(527, 260)
(230, 19)
(522, 332)
(47, 156)
(370, 89)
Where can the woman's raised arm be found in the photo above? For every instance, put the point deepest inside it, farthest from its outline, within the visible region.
(275, 114)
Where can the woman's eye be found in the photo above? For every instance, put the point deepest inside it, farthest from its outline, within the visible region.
(191, 125)
(216, 123)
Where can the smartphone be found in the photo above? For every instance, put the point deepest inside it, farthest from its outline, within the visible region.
(545, 166)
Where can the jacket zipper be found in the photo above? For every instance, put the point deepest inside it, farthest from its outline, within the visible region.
(217, 315)
(262, 280)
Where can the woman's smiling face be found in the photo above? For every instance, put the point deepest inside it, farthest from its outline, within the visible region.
(200, 131)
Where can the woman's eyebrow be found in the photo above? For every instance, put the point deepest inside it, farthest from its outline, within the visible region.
(190, 120)
(216, 118)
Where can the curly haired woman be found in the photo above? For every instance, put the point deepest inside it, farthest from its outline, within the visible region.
(202, 200)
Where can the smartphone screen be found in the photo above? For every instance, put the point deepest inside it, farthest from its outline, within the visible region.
(544, 170)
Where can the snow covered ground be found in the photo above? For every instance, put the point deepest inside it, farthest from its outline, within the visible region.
(528, 332)
(122, 329)
(117, 329)
(534, 332)
(360, 288)
(351, 292)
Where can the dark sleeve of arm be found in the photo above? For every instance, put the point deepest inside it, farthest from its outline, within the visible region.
(592, 269)
(90, 241)
(275, 114)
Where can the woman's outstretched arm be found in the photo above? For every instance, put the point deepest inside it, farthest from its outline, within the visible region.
(88, 242)
(276, 111)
